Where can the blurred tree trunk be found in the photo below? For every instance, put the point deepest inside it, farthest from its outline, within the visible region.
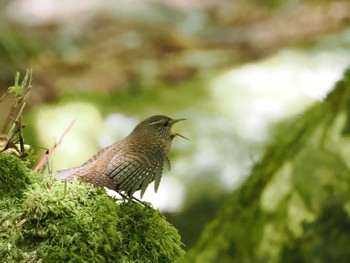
(295, 206)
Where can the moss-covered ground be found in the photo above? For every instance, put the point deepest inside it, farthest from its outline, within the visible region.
(44, 220)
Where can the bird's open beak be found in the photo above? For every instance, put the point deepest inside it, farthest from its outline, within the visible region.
(178, 134)
(175, 133)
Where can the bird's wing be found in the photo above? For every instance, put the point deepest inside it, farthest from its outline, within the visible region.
(161, 158)
(128, 171)
(132, 173)
(157, 176)
(145, 178)
(142, 177)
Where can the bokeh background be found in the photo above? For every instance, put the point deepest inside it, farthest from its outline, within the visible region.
(236, 69)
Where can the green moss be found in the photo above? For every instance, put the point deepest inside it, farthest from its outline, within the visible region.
(76, 222)
(13, 176)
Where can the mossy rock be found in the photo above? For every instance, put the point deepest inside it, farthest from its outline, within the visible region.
(52, 221)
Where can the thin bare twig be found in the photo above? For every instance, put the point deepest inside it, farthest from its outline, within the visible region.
(3, 96)
(45, 158)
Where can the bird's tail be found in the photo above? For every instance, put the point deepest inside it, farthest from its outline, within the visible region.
(68, 174)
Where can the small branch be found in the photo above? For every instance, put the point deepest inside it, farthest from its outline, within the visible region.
(3, 96)
(21, 139)
(20, 100)
(20, 94)
(45, 158)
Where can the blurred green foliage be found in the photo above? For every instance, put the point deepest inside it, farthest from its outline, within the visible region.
(137, 98)
(295, 206)
(16, 50)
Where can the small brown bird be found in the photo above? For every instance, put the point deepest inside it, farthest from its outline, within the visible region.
(132, 163)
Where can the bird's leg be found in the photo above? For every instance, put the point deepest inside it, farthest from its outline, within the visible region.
(136, 200)
(132, 199)
(124, 196)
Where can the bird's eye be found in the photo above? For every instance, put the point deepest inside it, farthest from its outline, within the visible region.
(165, 123)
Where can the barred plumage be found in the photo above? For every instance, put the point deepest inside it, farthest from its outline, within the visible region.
(130, 164)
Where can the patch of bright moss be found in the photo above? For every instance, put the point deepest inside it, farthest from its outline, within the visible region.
(76, 222)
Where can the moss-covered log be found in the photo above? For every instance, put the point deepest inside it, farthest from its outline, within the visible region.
(295, 206)
(43, 220)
